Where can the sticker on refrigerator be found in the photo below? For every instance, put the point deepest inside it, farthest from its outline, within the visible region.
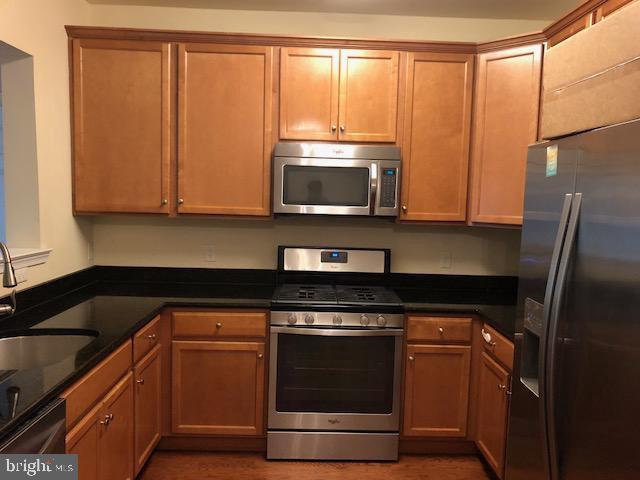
(552, 161)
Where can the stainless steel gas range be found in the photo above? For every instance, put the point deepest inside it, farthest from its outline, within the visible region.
(335, 358)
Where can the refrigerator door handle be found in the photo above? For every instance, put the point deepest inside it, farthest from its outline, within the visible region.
(544, 335)
(556, 306)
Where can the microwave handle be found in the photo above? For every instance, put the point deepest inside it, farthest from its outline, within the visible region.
(373, 188)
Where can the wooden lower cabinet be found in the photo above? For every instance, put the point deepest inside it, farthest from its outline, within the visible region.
(103, 439)
(218, 387)
(492, 412)
(436, 390)
(148, 392)
(83, 441)
(116, 438)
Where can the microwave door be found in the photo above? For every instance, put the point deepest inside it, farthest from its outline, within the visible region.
(323, 186)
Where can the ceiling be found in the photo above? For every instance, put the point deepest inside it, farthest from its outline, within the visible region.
(513, 9)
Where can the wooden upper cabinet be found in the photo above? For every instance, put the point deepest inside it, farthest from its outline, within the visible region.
(225, 136)
(436, 390)
(492, 412)
(436, 137)
(368, 95)
(333, 94)
(309, 82)
(505, 123)
(121, 126)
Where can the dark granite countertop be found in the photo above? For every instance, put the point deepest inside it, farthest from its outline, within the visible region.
(116, 309)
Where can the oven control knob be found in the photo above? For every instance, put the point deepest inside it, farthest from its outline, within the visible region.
(381, 321)
(292, 319)
(308, 319)
(364, 320)
(337, 320)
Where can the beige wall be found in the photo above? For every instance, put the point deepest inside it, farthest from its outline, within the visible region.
(305, 23)
(252, 244)
(37, 28)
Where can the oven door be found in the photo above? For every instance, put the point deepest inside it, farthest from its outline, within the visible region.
(324, 186)
(334, 379)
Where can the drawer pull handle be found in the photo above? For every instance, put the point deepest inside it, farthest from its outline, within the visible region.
(441, 330)
(218, 325)
(411, 358)
(140, 381)
(107, 419)
(152, 337)
(487, 338)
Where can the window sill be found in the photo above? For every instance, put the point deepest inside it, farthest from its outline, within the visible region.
(27, 257)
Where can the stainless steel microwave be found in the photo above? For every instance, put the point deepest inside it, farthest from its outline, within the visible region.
(336, 179)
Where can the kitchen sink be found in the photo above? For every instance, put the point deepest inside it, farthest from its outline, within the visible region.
(37, 348)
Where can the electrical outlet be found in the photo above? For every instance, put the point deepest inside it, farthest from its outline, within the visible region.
(209, 253)
(21, 275)
(445, 260)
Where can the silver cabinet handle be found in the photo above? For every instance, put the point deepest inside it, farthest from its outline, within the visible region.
(441, 330)
(218, 325)
(180, 201)
(107, 419)
(487, 338)
(140, 381)
(333, 128)
(342, 128)
(260, 355)
(164, 201)
(411, 358)
(152, 337)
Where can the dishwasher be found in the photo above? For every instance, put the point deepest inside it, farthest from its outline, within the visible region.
(43, 434)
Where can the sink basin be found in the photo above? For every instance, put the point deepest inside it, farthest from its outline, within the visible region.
(38, 348)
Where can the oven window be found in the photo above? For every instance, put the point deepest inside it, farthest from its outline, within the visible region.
(335, 374)
(335, 186)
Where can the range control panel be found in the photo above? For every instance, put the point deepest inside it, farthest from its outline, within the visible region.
(388, 187)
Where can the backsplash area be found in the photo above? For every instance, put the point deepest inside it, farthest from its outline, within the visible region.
(215, 243)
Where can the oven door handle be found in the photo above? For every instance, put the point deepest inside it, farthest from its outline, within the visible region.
(339, 332)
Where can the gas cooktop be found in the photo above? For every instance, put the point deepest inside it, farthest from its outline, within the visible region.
(345, 295)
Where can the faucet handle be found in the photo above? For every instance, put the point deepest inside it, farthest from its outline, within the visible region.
(10, 308)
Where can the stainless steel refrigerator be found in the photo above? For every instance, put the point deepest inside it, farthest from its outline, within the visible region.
(575, 409)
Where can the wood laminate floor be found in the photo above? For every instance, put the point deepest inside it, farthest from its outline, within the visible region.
(236, 466)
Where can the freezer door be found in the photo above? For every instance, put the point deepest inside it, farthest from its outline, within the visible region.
(550, 184)
(596, 401)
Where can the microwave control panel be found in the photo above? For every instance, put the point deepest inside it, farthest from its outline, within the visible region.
(388, 187)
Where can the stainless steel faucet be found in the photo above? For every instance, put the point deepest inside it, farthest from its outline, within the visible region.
(8, 280)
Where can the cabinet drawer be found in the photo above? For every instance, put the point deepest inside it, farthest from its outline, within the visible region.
(219, 324)
(439, 329)
(498, 346)
(146, 338)
(92, 387)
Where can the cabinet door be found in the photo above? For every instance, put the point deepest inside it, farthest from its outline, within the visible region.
(368, 95)
(309, 93)
(121, 126)
(218, 388)
(148, 406)
(493, 405)
(436, 137)
(436, 390)
(116, 436)
(225, 137)
(505, 123)
(83, 440)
